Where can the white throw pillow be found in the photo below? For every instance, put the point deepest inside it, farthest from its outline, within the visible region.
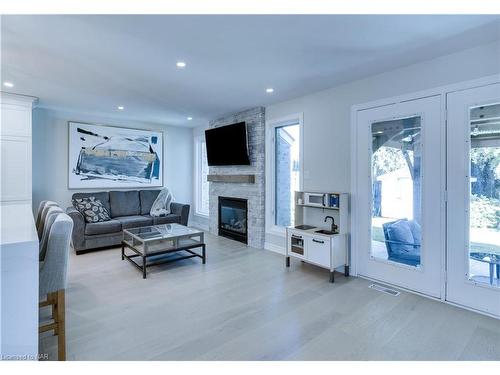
(161, 205)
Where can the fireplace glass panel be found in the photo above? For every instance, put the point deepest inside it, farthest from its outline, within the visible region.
(233, 219)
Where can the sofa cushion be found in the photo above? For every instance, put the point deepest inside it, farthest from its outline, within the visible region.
(103, 227)
(124, 203)
(147, 198)
(103, 196)
(134, 221)
(168, 219)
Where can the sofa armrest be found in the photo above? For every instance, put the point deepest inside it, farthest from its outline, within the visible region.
(182, 210)
(78, 235)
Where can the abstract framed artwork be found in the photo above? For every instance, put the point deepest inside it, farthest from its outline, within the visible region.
(102, 156)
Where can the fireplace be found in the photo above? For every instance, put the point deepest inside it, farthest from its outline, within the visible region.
(233, 216)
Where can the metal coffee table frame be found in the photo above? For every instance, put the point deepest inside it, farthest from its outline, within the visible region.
(189, 243)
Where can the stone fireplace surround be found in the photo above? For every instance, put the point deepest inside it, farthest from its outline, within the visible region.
(253, 192)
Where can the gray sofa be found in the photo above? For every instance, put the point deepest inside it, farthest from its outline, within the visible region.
(128, 209)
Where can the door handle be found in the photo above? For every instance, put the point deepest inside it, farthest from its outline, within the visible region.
(318, 241)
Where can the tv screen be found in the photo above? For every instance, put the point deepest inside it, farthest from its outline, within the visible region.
(227, 145)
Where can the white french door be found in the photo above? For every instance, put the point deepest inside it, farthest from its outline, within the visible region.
(473, 209)
(400, 180)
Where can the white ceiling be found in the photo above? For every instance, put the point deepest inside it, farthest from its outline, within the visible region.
(95, 63)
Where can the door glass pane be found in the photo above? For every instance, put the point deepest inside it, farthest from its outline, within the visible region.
(396, 190)
(484, 212)
(287, 152)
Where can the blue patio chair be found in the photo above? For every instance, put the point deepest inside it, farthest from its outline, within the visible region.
(402, 240)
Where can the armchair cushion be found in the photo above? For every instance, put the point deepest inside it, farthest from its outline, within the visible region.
(400, 243)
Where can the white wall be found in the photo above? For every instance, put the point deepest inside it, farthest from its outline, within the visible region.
(327, 119)
(50, 155)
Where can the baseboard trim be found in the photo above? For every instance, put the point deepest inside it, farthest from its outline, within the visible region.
(274, 248)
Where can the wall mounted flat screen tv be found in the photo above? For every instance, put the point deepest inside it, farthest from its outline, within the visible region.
(227, 145)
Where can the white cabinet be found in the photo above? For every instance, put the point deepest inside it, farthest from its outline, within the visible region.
(326, 251)
(15, 148)
(16, 118)
(15, 180)
(318, 251)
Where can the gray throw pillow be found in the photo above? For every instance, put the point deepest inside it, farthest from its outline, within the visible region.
(92, 209)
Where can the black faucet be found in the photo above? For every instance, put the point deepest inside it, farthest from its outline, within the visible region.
(334, 227)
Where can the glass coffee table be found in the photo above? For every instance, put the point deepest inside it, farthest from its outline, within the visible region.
(156, 241)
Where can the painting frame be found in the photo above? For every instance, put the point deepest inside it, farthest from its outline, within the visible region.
(81, 181)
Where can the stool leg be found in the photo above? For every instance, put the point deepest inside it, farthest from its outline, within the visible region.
(61, 325)
(54, 302)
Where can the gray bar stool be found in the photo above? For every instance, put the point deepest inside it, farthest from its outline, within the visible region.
(53, 278)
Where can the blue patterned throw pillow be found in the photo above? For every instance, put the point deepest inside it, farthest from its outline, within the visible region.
(92, 209)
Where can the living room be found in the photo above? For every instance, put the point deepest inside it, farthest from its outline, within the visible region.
(250, 187)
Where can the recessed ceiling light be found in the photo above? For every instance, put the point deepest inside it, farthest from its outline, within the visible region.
(181, 64)
(189, 118)
(121, 108)
(270, 90)
(8, 84)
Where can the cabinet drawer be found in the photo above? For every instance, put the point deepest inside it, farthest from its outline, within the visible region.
(318, 251)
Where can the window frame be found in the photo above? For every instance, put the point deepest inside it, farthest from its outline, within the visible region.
(271, 125)
(198, 141)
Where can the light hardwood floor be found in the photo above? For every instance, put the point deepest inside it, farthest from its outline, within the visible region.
(245, 305)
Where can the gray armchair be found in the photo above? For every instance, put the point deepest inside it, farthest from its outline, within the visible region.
(53, 278)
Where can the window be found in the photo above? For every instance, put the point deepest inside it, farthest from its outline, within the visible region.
(396, 190)
(285, 144)
(201, 183)
(484, 219)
